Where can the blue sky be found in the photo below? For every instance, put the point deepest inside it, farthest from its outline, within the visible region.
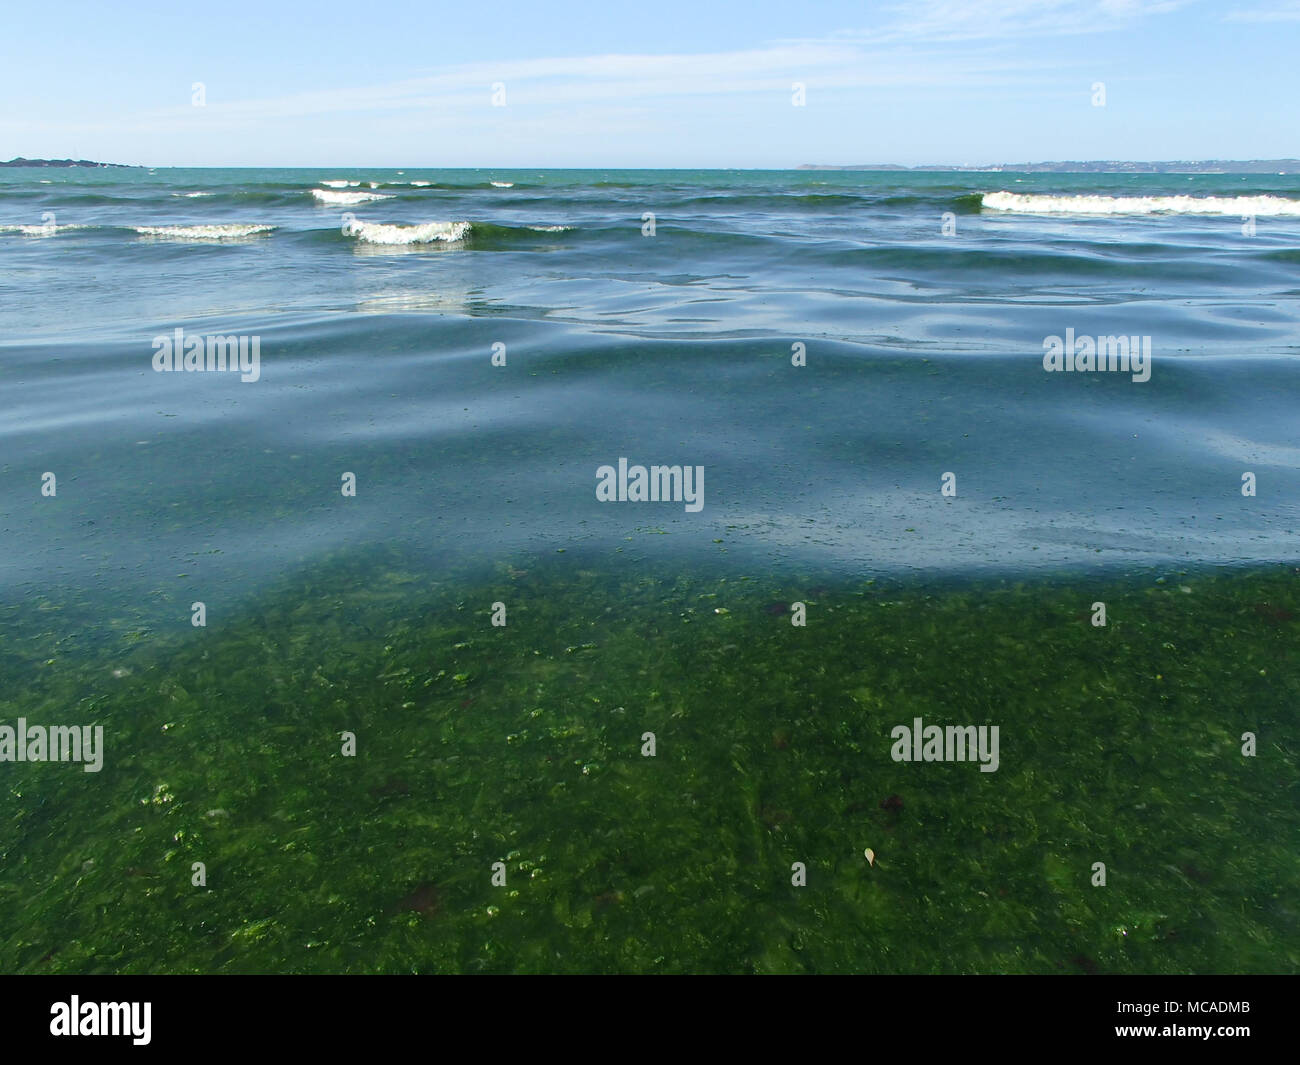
(664, 84)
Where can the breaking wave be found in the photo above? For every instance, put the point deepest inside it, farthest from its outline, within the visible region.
(347, 199)
(39, 231)
(228, 231)
(1032, 203)
(423, 233)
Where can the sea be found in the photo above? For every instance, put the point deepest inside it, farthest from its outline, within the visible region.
(589, 399)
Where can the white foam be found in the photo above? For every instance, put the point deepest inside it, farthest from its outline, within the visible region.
(424, 233)
(1031, 203)
(341, 184)
(421, 184)
(191, 195)
(550, 229)
(228, 231)
(37, 231)
(347, 199)
(502, 184)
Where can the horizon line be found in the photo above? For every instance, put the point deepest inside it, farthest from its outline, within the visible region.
(81, 164)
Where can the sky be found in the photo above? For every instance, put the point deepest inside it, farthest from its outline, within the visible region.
(673, 83)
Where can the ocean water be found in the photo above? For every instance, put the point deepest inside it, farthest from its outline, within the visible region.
(924, 356)
(947, 512)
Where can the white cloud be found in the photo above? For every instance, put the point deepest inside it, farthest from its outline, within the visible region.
(948, 44)
(460, 96)
(956, 20)
(1287, 11)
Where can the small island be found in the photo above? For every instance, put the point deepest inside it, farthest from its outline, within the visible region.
(19, 162)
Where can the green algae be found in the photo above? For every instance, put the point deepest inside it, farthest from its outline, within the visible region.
(522, 745)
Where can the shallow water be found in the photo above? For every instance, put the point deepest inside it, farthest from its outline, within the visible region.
(924, 357)
(524, 744)
(476, 484)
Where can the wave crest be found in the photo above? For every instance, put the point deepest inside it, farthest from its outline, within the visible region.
(48, 229)
(347, 199)
(423, 233)
(227, 231)
(1035, 203)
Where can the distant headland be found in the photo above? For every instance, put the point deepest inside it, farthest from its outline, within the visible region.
(1205, 166)
(65, 162)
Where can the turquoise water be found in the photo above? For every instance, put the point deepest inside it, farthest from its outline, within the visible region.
(378, 300)
(924, 356)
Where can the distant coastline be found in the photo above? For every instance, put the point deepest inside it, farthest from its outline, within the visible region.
(1209, 166)
(1108, 166)
(67, 162)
